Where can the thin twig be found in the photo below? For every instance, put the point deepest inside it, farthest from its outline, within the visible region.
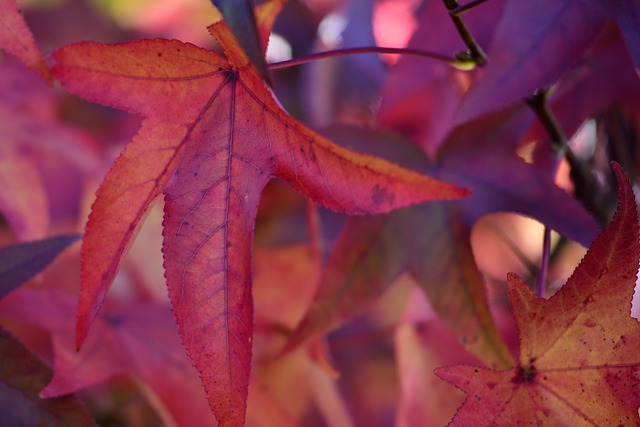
(583, 180)
(476, 52)
(367, 49)
(544, 262)
(538, 103)
(466, 7)
(560, 144)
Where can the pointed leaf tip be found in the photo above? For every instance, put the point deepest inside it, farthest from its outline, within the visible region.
(211, 155)
(578, 358)
(16, 38)
(626, 197)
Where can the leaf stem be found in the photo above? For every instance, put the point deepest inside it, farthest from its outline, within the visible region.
(538, 103)
(359, 50)
(455, 11)
(544, 262)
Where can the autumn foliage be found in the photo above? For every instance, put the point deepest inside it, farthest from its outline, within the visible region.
(581, 370)
(334, 243)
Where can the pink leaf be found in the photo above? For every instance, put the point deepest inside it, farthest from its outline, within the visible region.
(16, 38)
(140, 339)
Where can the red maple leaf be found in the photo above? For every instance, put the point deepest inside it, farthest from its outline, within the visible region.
(213, 136)
(578, 362)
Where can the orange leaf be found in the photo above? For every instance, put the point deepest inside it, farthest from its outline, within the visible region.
(213, 136)
(579, 362)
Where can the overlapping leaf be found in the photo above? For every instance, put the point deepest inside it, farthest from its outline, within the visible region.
(590, 90)
(431, 241)
(22, 375)
(20, 262)
(536, 43)
(23, 200)
(239, 16)
(419, 349)
(43, 163)
(23, 197)
(138, 339)
(578, 362)
(421, 95)
(423, 343)
(212, 138)
(17, 39)
(627, 13)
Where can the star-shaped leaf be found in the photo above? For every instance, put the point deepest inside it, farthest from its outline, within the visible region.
(213, 136)
(578, 362)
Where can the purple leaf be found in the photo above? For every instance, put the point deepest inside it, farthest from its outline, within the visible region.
(627, 13)
(22, 375)
(20, 262)
(534, 45)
